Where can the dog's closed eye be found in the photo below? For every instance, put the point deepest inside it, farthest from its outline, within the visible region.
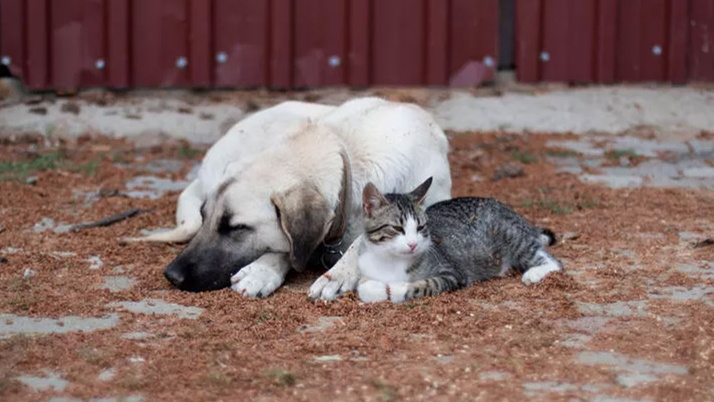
(227, 228)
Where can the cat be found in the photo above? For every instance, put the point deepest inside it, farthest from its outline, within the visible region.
(408, 252)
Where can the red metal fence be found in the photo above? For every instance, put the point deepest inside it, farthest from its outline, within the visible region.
(615, 40)
(66, 44)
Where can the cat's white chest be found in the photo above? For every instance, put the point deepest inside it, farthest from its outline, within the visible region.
(383, 268)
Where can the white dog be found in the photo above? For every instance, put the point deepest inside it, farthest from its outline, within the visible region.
(284, 184)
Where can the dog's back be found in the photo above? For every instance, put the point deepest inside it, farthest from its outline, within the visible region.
(399, 139)
(255, 134)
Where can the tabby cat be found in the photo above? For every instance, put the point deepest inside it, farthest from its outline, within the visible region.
(408, 252)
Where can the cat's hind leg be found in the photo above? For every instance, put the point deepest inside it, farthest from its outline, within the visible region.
(541, 265)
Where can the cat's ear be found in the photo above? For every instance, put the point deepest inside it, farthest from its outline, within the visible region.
(372, 199)
(419, 193)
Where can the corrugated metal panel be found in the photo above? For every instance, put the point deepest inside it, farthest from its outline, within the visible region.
(474, 41)
(68, 44)
(12, 37)
(702, 40)
(614, 40)
(240, 37)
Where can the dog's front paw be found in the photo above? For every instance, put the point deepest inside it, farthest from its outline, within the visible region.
(256, 281)
(329, 286)
(372, 291)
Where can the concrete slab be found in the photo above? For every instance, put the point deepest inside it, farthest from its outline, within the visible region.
(624, 363)
(11, 324)
(118, 283)
(152, 187)
(51, 381)
(159, 307)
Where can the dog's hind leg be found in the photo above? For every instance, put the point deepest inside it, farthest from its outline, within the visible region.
(188, 218)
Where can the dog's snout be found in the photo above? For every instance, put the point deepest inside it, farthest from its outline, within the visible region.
(175, 276)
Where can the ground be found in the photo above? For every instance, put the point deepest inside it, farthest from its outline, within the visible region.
(84, 316)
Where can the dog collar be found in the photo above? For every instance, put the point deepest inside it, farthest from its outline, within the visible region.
(333, 240)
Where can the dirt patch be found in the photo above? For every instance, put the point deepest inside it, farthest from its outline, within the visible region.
(495, 340)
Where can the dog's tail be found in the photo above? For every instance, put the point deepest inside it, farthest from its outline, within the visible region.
(547, 237)
(188, 216)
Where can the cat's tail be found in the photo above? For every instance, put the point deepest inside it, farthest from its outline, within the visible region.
(547, 237)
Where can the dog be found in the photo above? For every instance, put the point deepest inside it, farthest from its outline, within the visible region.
(283, 186)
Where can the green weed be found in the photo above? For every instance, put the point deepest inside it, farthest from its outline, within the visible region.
(560, 153)
(554, 206)
(524, 157)
(19, 171)
(282, 377)
(616, 154)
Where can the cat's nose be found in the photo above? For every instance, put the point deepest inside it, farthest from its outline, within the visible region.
(412, 246)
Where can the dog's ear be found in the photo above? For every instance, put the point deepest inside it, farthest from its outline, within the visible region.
(305, 217)
(419, 193)
(372, 199)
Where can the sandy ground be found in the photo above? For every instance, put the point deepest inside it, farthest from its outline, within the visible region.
(153, 116)
(83, 317)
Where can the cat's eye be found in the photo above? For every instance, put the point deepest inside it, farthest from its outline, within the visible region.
(420, 228)
(398, 229)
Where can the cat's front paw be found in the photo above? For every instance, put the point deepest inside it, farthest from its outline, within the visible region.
(373, 291)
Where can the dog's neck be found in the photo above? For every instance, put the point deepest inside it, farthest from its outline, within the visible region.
(339, 224)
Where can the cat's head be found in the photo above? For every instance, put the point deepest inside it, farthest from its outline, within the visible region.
(396, 223)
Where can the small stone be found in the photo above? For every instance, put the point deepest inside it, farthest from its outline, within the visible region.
(447, 359)
(137, 335)
(29, 273)
(95, 262)
(508, 170)
(43, 225)
(70, 107)
(33, 100)
(106, 375)
(328, 358)
(493, 376)
(32, 180)
(570, 236)
(38, 110)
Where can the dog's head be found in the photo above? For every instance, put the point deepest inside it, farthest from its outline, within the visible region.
(242, 221)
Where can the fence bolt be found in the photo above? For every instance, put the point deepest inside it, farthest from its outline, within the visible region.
(544, 56)
(6, 60)
(181, 62)
(657, 50)
(99, 64)
(334, 61)
(221, 57)
(488, 61)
